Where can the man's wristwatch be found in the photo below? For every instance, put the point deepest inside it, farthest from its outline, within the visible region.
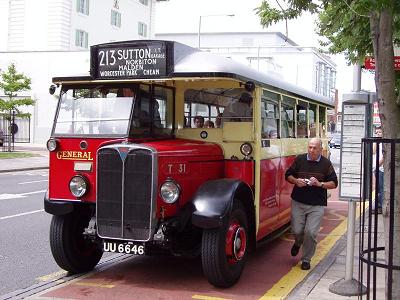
(322, 184)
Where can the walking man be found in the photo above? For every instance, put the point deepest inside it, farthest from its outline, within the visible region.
(312, 174)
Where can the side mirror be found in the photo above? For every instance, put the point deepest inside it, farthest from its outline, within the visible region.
(52, 89)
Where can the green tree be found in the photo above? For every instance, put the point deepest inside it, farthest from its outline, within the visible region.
(359, 28)
(13, 83)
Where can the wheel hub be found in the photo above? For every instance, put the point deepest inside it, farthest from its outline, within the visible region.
(235, 243)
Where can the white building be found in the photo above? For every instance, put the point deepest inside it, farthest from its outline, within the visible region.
(268, 52)
(43, 25)
(48, 38)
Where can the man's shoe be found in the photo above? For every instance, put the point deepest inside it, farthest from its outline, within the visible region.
(305, 265)
(295, 250)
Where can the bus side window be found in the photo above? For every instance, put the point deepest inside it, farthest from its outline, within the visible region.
(312, 116)
(287, 117)
(270, 120)
(302, 129)
(322, 122)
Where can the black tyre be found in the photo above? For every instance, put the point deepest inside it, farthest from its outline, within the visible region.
(71, 251)
(224, 249)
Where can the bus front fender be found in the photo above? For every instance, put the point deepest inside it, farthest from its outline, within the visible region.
(213, 201)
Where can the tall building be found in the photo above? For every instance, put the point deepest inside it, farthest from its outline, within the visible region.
(49, 38)
(42, 25)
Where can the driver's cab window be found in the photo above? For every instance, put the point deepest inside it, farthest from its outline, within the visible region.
(152, 113)
(93, 110)
(210, 108)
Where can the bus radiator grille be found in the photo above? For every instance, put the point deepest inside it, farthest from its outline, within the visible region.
(137, 195)
(124, 193)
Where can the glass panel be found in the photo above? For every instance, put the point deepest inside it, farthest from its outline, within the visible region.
(152, 113)
(322, 122)
(302, 110)
(140, 111)
(271, 96)
(269, 119)
(287, 119)
(312, 118)
(93, 111)
(211, 107)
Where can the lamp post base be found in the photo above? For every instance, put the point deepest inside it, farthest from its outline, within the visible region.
(350, 287)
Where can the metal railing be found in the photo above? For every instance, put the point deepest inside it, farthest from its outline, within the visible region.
(7, 144)
(377, 268)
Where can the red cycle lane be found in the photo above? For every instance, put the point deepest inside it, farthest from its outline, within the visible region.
(269, 272)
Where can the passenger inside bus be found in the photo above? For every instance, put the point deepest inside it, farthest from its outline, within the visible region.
(199, 122)
(239, 111)
(218, 121)
(209, 124)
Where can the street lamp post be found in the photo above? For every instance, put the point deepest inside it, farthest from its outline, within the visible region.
(220, 15)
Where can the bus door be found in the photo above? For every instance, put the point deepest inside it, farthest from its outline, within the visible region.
(269, 164)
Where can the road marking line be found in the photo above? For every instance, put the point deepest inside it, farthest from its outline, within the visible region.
(31, 193)
(26, 182)
(52, 276)
(201, 297)
(95, 284)
(16, 196)
(10, 196)
(22, 214)
(288, 282)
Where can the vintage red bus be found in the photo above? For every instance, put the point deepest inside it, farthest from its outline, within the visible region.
(165, 148)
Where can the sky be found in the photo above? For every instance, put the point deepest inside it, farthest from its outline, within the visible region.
(175, 16)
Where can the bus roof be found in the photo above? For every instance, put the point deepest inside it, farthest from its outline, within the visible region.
(158, 59)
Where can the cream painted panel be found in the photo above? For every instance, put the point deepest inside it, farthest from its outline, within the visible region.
(238, 132)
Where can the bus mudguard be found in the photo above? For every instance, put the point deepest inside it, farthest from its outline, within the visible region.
(59, 207)
(213, 201)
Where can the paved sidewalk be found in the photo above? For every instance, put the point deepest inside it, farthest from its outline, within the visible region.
(332, 269)
(37, 162)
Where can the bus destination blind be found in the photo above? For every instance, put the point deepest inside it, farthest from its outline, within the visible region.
(136, 61)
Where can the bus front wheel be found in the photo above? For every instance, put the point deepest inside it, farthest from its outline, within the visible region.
(71, 250)
(224, 249)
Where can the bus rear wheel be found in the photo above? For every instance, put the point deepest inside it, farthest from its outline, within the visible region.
(71, 250)
(224, 249)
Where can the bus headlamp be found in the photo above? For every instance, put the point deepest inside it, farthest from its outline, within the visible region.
(170, 191)
(78, 186)
(246, 149)
(52, 145)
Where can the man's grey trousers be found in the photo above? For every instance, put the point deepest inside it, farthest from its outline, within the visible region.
(306, 222)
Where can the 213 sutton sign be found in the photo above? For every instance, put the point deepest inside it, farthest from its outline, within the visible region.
(132, 61)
